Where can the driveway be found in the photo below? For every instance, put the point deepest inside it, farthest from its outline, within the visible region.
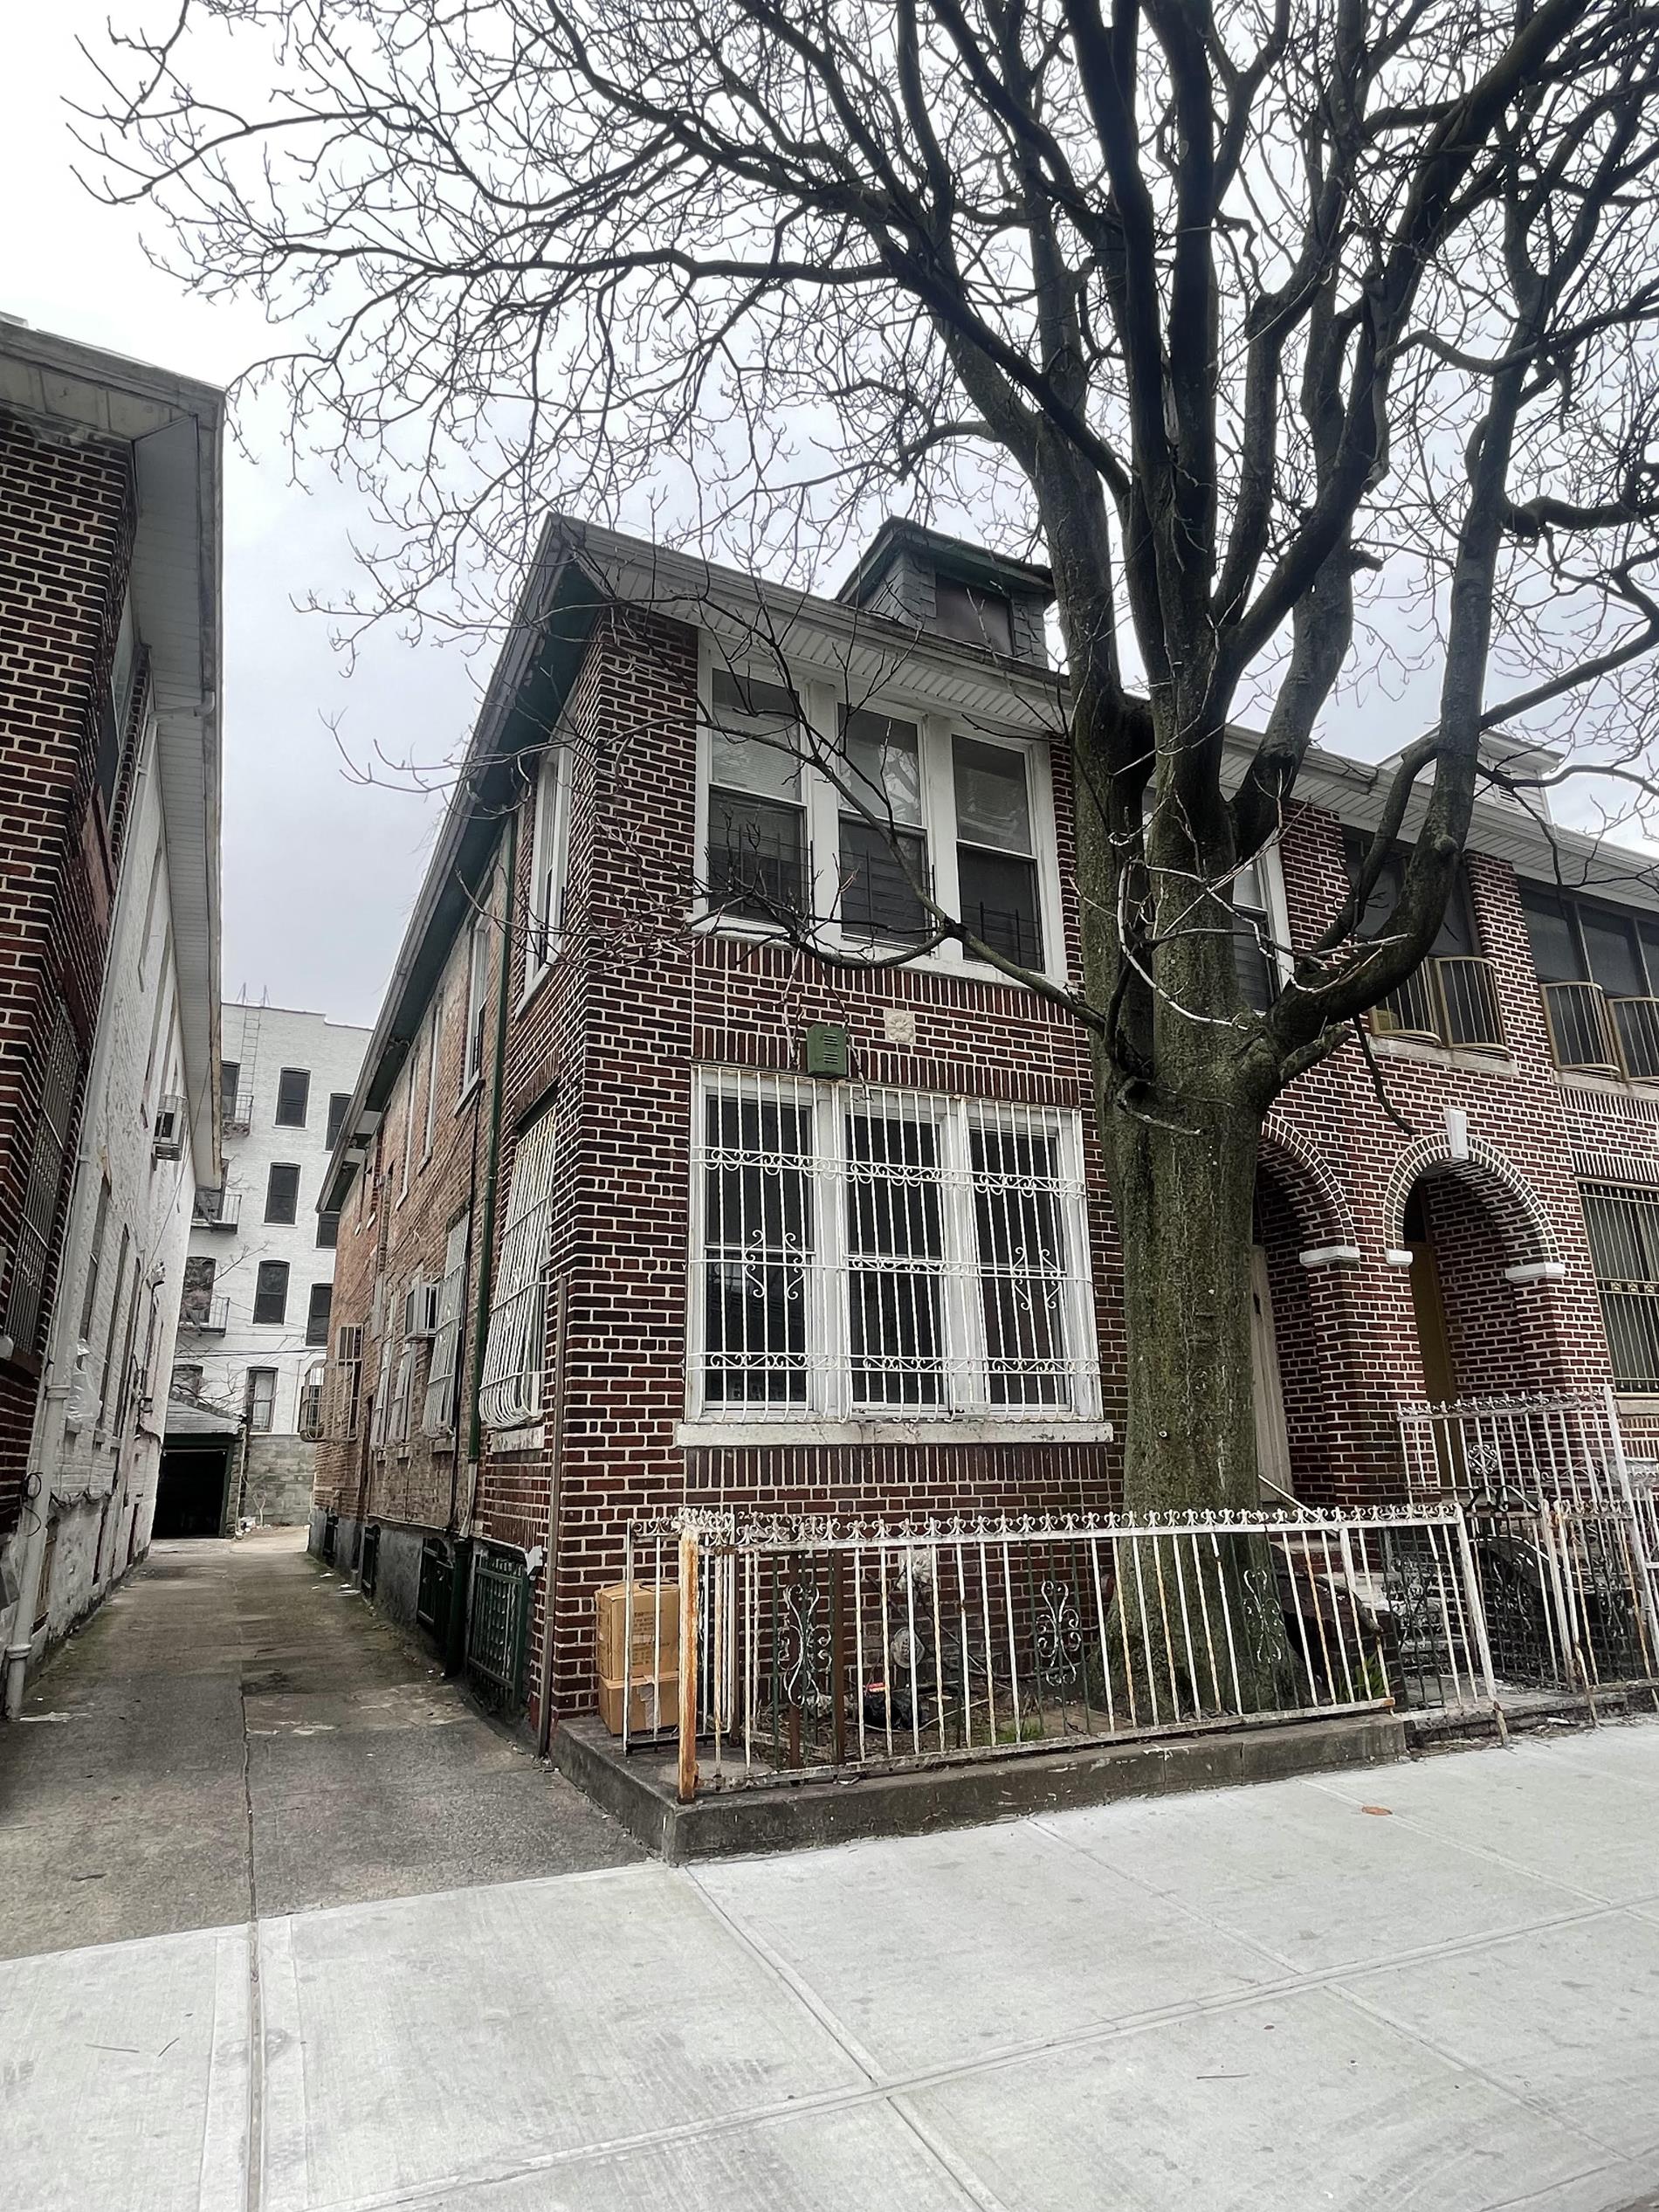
(1429, 1985)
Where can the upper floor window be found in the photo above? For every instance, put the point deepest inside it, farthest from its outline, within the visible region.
(514, 1343)
(976, 617)
(262, 1399)
(1599, 967)
(339, 1106)
(271, 1290)
(293, 1095)
(282, 1191)
(883, 859)
(328, 1231)
(995, 857)
(757, 827)
(549, 848)
(869, 1251)
(1452, 998)
(478, 996)
(317, 1313)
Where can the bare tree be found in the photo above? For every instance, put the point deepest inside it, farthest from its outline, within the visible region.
(1258, 318)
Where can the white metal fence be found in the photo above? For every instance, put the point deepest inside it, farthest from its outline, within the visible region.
(789, 1649)
(1563, 1528)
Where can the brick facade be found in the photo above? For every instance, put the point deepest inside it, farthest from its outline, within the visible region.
(67, 519)
(637, 1003)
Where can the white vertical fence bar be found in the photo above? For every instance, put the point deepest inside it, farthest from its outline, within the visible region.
(981, 1638)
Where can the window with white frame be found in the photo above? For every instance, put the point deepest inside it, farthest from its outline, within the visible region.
(549, 848)
(403, 1384)
(379, 1418)
(434, 1032)
(438, 1414)
(871, 1253)
(514, 1348)
(347, 1381)
(1253, 936)
(757, 820)
(997, 869)
(884, 845)
(478, 999)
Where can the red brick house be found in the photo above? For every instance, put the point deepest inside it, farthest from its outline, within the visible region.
(640, 1205)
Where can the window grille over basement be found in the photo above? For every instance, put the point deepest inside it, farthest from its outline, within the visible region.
(1623, 1226)
(514, 1349)
(866, 1253)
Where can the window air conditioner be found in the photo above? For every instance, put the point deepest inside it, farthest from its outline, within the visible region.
(169, 1128)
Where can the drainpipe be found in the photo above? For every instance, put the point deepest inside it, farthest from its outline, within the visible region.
(487, 1246)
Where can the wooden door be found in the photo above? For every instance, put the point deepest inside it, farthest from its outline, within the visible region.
(1272, 1440)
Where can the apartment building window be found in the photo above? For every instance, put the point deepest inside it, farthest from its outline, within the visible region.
(973, 616)
(1622, 1222)
(94, 1261)
(434, 1035)
(397, 1399)
(197, 1301)
(107, 1377)
(438, 1414)
(411, 1082)
(271, 1290)
(757, 827)
(510, 1393)
(378, 1417)
(1598, 970)
(262, 1399)
(230, 1075)
(309, 1420)
(1452, 998)
(478, 999)
(293, 1096)
(348, 1381)
(186, 1384)
(996, 858)
(328, 1230)
(868, 1251)
(883, 861)
(317, 1312)
(282, 1191)
(549, 849)
(43, 1193)
(339, 1106)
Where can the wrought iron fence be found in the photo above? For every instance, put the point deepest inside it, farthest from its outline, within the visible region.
(807, 1648)
(1563, 1527)
(498, 1618)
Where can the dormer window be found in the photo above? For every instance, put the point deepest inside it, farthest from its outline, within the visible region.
(975, 618)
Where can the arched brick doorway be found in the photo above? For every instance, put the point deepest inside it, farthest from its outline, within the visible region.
(1482, 1260)
(1304, 1248)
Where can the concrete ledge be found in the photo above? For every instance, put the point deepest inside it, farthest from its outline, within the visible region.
(639, 1791)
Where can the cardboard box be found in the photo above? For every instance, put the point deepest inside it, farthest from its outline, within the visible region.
(655, 1650)
(642, 1706)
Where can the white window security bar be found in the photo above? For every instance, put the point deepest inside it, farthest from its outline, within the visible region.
(438, 1412)
(777, 1649)
(516, 1349)
(345, 1383)
(870, 1251)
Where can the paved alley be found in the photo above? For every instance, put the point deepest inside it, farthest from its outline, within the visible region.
(235, 1730)
(1432, 1985)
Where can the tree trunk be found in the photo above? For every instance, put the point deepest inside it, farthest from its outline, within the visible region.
(1183, 1183)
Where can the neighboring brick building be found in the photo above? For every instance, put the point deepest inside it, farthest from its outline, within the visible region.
(109, 804)
(253, 1319)
(728, 1266)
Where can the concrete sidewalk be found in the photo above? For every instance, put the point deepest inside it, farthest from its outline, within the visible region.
(1434, 1985)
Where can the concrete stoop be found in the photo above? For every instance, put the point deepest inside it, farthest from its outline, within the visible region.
(639, 1791)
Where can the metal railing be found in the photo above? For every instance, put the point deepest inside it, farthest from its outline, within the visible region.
(206, 1316)
(217, 1208)
(236, 1114)
(809, 1648)
(1564, 1528)
(1450, 1000)
(1595, 1034)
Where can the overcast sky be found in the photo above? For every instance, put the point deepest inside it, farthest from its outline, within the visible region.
(318, 872)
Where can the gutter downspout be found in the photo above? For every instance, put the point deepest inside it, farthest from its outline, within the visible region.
(487, 1242)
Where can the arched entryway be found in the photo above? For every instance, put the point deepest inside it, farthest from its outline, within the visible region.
(1302, 1245)
(1480, 1250)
